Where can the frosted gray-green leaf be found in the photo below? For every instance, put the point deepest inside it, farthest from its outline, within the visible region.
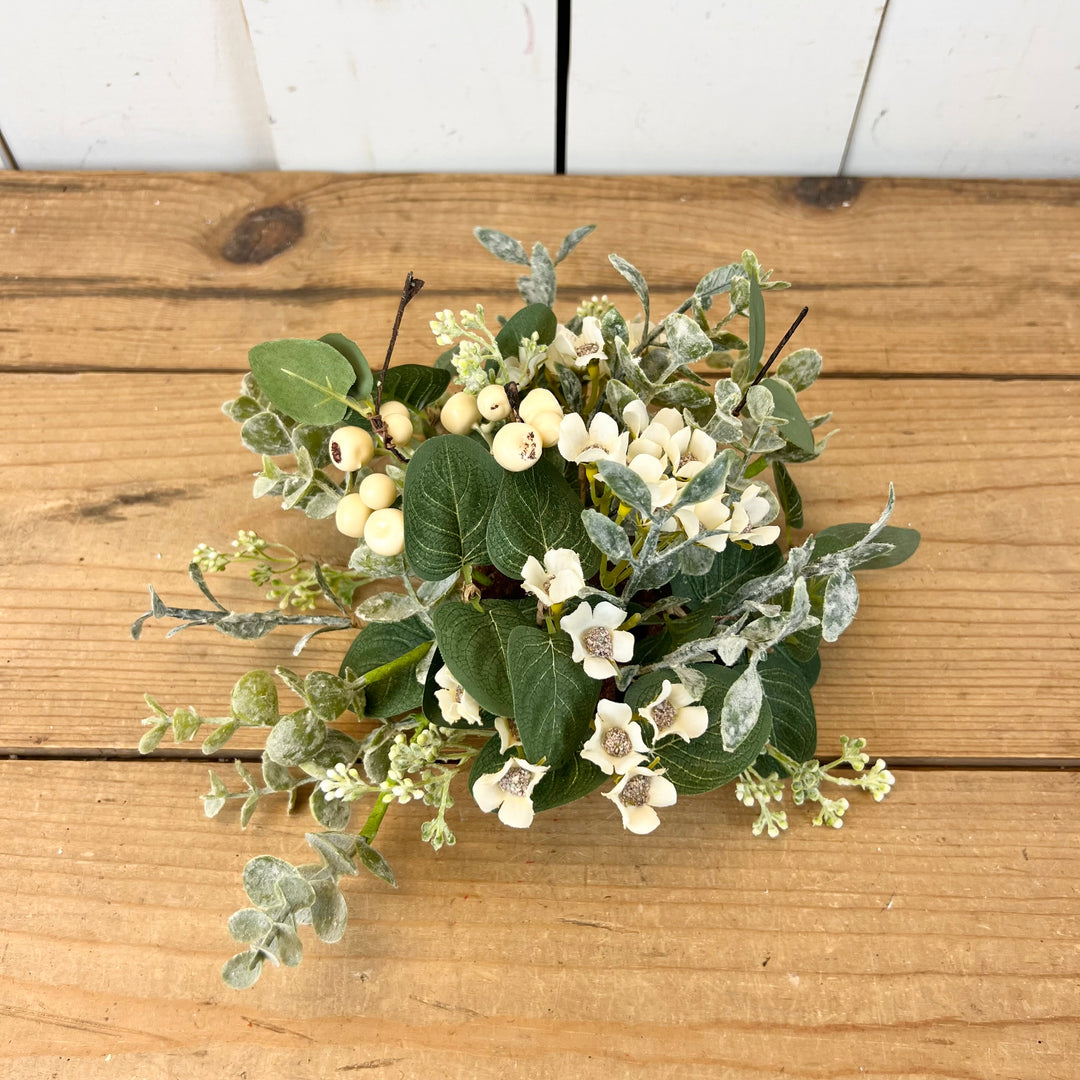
(716, 282)
(373, 862)
(841, 604)
(254, 699)
(329, 912)
(388, 607)
(248, 925)
(637, 282)
(572, 240)
(502, 246)
(626, 483)
(796, 431)
(261, 875)
(607, 536)
(242, 971)
(709, 480)
(539, 287)
(264, 433)
(686, 340)
(296, 738)
(800, 368)
(303, 379)
(742, 705)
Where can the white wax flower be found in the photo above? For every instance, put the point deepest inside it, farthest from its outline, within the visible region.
(579, 349)
(510, 792)
(747, 516)
(601, 442)
(662, 488)
(509, 736)
(637, 793)
(598, 645)
(616, 744)
(712, 513)
(636, 416)
(455, 702)
(673, 712)
(689, 451)
(554, 582)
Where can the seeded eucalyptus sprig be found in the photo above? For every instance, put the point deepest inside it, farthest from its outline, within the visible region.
(583, 585)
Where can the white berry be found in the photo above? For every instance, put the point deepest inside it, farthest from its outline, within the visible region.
(460, 414)
(493, 402)
(538, 401)
(352, 515)
(548, 424)
(517, 447)
(351, 448)
(378, 491)
(398, 425)
(384, 532)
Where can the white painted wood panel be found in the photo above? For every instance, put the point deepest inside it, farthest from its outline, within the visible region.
(421, 85)
(715, 86)
(140, 84)
(973, 88)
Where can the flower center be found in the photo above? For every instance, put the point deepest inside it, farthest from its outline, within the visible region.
(616, 742)
(516, 781)
(588, 348)
(663, 715)
(636, 791)
(598, 642)
(457, 692)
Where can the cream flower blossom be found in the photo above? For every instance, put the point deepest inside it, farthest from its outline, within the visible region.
(689, 451)
(711, 514)
(510, 792)
(635, 416)
(662, 488)
(616, 744)
(579, 349)
(747, 516)
(559, 578)
(673, 712)
(637, 793)
(601, 442)
(598, 645)
(455, 702)
(509, 736)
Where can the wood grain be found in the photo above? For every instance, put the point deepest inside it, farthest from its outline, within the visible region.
(902, 277)
(984, 612)
(938, 935)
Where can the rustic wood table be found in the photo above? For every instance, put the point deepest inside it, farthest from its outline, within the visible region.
(937, 935)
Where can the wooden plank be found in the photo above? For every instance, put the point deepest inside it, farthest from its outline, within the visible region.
(132, 85)
(372, 87)
(971, 89)
(740, 103)
(937, 935)
(942, 654)
(910, 278)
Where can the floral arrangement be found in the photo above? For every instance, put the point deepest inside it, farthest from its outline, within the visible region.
(585, 583)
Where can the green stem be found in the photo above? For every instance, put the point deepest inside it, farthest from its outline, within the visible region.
(374, 819)
(410, 659)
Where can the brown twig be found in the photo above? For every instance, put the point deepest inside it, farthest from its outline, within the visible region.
(768, 363)
(412, 286)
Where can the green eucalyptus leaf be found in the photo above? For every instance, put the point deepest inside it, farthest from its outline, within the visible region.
(450, 488)
(414, 385)
(241, 408)
(351, 351)
(796, 431)
(248, 925)
(185, 724)
(150, 740)
(554, 700)
(788, 495)
(219, 737)
(286, 945)
(732, 568)
(383, 643)
(264, 433)
(296, 375)
(337, 851)
(248, 809)
(473, 645)
(326, 695)
(535, 512)
(703, 764)
(536, 318)
(254, 699)
(276, 777)
(838, 537)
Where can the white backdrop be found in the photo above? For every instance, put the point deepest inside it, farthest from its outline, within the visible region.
(799, 87)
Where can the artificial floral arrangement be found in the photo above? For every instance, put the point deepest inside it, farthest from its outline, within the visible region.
(587, 588)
